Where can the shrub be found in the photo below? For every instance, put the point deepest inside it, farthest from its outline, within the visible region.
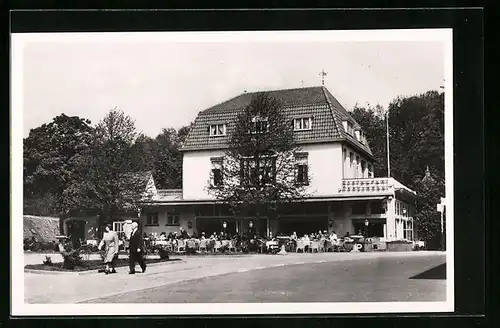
(48, 261)
(71, 258)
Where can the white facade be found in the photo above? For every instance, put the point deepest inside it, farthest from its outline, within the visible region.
(196, 166)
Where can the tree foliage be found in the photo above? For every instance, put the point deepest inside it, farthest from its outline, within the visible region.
(50, 153)
(258, 168)
(416, 134)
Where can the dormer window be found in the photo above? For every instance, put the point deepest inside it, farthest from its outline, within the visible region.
(259, 124)
(348, 127)
(217, 130)
(302, 124)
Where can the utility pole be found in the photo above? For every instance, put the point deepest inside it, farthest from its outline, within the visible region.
(388, 151)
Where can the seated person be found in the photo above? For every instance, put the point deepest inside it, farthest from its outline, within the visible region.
(163, 236)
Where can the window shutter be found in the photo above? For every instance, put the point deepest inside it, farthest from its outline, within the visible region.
(306, 169)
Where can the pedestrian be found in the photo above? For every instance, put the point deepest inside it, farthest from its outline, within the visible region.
(110, 242)
(135, 249)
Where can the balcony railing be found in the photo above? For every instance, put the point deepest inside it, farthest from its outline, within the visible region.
(367, 185)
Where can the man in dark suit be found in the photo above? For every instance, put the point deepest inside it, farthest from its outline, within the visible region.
(135, 249)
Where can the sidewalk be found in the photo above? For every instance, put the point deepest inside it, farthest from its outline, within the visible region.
(70, 288)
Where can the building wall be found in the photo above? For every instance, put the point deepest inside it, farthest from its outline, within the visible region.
(325, 168)
(196, 168)
(324, 161)
(186, 216)
(355, 171)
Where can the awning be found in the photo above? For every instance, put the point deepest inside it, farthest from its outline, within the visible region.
(322, 199)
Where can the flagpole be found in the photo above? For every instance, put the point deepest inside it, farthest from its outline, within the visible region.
(387, 137)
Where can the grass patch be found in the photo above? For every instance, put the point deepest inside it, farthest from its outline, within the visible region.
(89, 265)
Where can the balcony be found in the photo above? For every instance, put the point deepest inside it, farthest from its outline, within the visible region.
(367, 186)
(372, 186)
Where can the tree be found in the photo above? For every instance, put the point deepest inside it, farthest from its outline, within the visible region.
(427, 219)
(416, 127)
(50, 153)
(168, 158)
(373, 122)
(258, 171)
(108, 181)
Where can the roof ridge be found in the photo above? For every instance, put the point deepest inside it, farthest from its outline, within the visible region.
(336, 123)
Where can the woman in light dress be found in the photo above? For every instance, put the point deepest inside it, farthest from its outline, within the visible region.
(111, 243)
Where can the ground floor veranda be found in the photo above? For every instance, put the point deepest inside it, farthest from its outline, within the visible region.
(374, 217)
(385, 217)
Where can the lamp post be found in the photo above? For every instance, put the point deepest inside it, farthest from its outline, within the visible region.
(224, 226)
(366, 235)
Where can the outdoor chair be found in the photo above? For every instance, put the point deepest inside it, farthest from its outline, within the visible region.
(314, 246)
(181, 246)
(232, 245)
(321, 246)
(169, 247)
(217, 246)
(300, 246)
(203, 245)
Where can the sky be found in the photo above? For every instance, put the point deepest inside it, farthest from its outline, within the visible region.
(165, 82)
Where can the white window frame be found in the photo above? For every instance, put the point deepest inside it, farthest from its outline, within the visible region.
(216, 164)
(173, 215)
(118, 226)
(302, 159)
(255, 121)
(213, 130)
(350, 128)
(149, 221)
(301, 126)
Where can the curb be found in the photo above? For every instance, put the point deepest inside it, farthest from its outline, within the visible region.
(82, 273)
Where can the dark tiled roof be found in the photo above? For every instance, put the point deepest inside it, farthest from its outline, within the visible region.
(316, 102)
(44, 229)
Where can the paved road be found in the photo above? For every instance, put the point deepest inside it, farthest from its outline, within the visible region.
(378, 279)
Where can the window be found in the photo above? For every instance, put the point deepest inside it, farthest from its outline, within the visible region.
(301, 124)
(118, 228)
(302, 168)
(357, 167)
(217, 130)
(377, 207)
(351, 159)
(173, 219)
(259, 124)
(216, 172)
(261, 174)
(152, 219)
(363, 169)
(359, 208)
(349, 128)
(408, 230)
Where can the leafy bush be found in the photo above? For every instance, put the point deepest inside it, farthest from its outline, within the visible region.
(71, 258)
(48, 261)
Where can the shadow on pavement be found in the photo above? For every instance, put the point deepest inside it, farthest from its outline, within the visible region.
(438, 272)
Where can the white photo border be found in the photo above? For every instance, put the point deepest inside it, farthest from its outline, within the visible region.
(20, 308)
